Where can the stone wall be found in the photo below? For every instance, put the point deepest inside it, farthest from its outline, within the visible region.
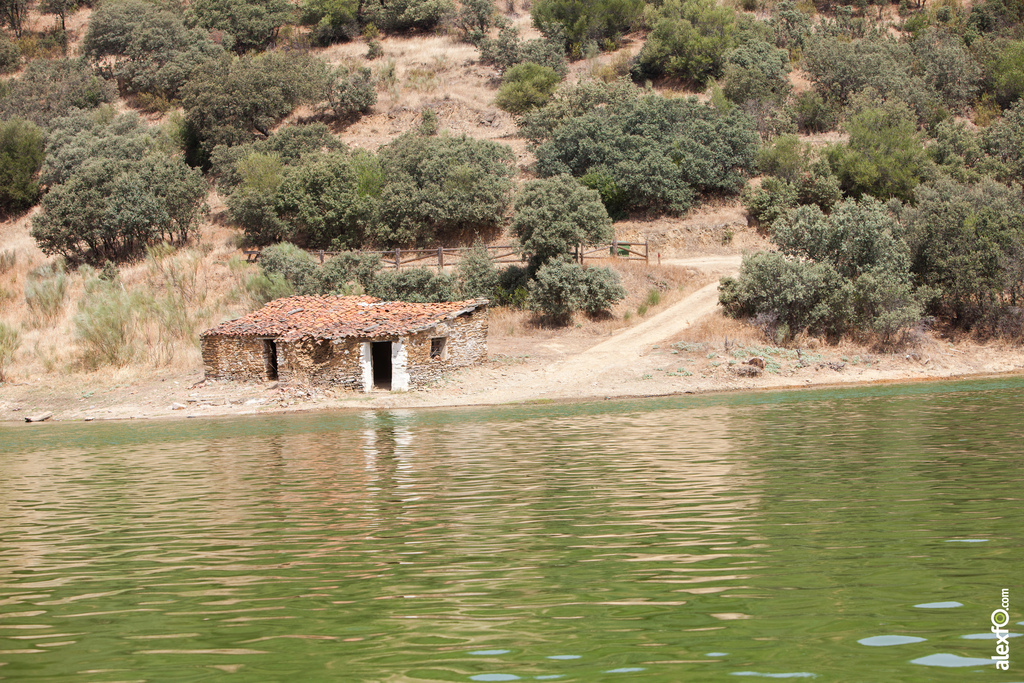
(466, 345)
(325, 362)
(234, 358)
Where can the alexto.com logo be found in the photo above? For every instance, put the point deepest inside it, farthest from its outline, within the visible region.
(1000, 624)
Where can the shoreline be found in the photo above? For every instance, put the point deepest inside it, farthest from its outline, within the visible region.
(211, 408)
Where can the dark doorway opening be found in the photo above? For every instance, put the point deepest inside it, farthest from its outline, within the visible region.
(380, 356)
(270, 358)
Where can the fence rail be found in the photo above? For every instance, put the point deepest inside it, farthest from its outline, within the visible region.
(440, 257)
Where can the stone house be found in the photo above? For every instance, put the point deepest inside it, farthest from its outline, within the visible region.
(356, 342)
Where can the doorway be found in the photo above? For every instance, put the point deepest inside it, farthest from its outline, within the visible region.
(380, 356)
(270, 358)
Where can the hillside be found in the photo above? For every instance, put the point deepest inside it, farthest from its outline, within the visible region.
(175, 293)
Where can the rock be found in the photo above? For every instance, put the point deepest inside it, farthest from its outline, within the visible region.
(275, 385)
(757, 362)
(747, 370)
(255, 401)
(177, 406)
(40, 417)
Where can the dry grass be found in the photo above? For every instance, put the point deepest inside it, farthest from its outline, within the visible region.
(718, 327)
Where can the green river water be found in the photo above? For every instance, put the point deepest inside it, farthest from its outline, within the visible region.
(829, 535)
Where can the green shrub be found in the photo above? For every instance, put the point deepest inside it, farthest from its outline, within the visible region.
(769, 202)
(416, 285)
(884, 157)
(477, 274)
(145, 47)
(52, 88)
(332, 21)
(579, 23)
(46, 289)
(526, 86)
(21, 156)
(317, 201)
(262, 288)
(513, 287)
(396, 16)
(756, 70)
(508, 49)
(475, 19)
(10, 55)
(374, 49)
(227, 101)
(10, 340)
(967, 244)
(657, 151)
(554, 215)
(244, 24)
(563, 287)
(349, 91)
(688, 42)
(109, 202)
(788, 295)
(441, 188)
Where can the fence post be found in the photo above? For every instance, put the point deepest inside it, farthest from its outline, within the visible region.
(321, 257)
(615, 248)
(398, 257)
(647, 252)
(440, 259)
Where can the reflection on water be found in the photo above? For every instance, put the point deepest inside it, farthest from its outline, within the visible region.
(769, 535)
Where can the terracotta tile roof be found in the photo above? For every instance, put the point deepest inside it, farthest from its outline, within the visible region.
(331, 317)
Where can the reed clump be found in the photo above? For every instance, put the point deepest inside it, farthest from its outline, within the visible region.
(10, 340)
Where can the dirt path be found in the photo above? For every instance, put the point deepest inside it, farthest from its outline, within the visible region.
(602, 364)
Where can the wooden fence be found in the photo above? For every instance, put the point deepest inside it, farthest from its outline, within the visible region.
(440, 257)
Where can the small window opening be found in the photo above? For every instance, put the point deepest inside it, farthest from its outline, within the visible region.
(270, 358)
(438, 347)
(321, 351)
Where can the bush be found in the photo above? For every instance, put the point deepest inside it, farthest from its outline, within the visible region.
(849, 270)
(579, 23)
(416, 285)
(562, 287)
(967, 243)
(475, 19)
(477, 274)
(508, 49)
(10, 340)
(948, 68)
(332, 21)
(756, 71)
(113, 193)
(440, 188)
(317, 201)
(243, 25)
(10, 55)
(397, 16)
(106, 324)
(227, 101)
(790, 295)
(526, 86)
(21, 156)
(574, 101)
(688, 42)
(145, 47)
(49, 89)
(884, 157)
(769, 202)
(554, 215)
(349, 91)
(657, 151)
